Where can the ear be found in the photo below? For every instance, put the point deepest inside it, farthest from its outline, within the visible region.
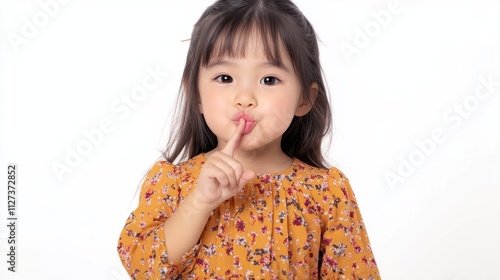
(304, 105)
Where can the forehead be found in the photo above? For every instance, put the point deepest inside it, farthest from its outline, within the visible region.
(247, 42)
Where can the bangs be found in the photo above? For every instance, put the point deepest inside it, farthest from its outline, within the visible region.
(234, 33)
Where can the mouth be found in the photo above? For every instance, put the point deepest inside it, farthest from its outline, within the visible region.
(249, 122)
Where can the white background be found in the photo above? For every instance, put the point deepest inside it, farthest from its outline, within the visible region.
(439, 221)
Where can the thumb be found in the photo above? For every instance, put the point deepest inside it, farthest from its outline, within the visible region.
(246, 177)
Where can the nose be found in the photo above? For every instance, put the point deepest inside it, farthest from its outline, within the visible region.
(245, 98)
(245, 104)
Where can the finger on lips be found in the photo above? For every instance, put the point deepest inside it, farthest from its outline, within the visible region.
(233, 141)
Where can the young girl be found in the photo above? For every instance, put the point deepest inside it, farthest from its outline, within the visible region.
(252, 197)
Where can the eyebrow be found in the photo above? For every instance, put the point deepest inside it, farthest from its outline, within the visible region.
(220, 61)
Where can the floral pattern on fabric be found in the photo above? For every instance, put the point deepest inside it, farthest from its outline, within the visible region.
(302, 223)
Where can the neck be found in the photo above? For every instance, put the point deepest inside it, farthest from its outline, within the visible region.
(263, 162)
(267, 159)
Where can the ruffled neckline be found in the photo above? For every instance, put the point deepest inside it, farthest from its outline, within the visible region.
(289, 171)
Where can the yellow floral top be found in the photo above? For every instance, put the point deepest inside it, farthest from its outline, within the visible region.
(303, 223)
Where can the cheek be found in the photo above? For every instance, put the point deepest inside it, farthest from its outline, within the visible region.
(283, 110)
(211, 100)
(279, 119)
(213, 111)
(212, 106)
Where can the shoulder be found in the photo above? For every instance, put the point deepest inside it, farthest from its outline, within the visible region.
(164, 170)
(329, 181)
(166, 178)
(332, 174)
(337, 177)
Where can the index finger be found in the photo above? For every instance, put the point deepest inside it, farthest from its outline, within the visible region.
(232, 143)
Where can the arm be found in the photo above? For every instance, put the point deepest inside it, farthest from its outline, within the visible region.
(220, 179)
(184, 228)
(142, 246)
(160, 237)
(345, 245)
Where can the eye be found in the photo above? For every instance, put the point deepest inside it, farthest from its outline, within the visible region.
(224, 79)
(269, 80)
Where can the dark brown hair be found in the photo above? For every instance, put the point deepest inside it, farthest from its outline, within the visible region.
(223, 29)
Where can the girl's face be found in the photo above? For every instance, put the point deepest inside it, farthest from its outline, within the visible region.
(251, 87)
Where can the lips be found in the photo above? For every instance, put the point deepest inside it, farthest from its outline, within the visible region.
(249, 121)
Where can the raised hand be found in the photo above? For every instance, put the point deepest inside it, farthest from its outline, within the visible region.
(222, 176)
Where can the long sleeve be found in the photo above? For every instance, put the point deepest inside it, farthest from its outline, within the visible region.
(141, 246)
(345, 247)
